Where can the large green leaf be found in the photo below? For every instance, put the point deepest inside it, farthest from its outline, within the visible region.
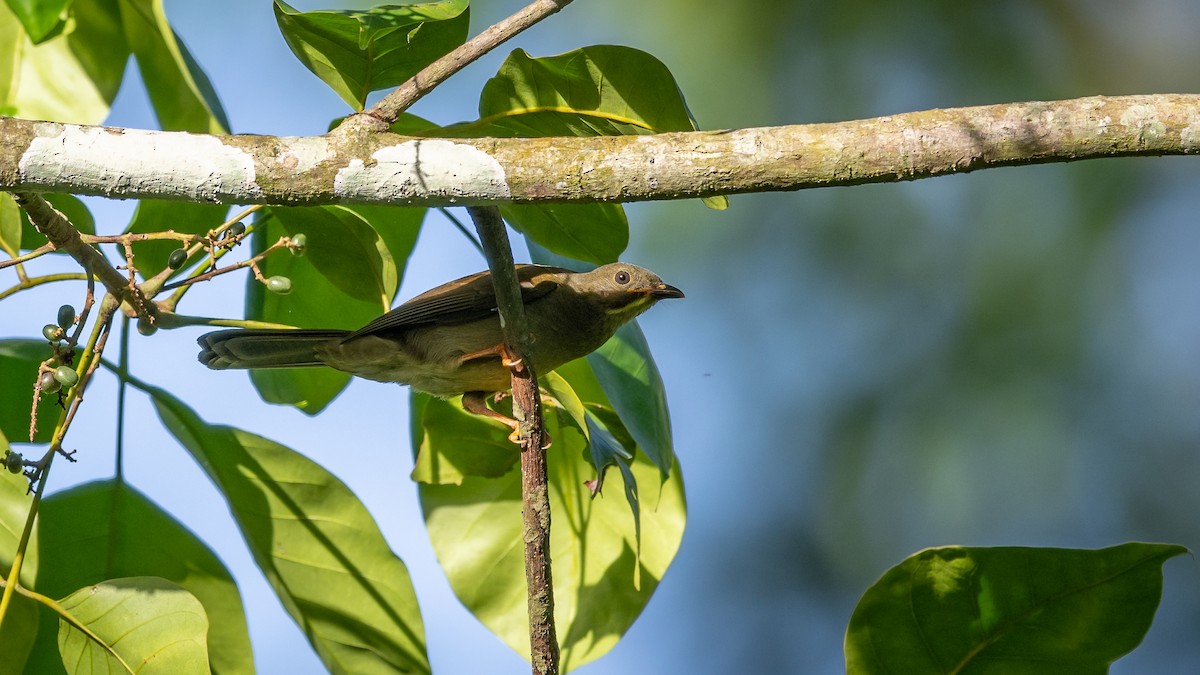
(107, 530)
(180, 91)
(595, 233)
(449, 447)
(72, 77)
(602, 90)
(154, 626)
(349, 275)
(150, 257)
(19, 361)
(356, 52)
(21, 624)
(597, 90)
(476, 531)
(39, 17)
(316, 543)
(1007, 610)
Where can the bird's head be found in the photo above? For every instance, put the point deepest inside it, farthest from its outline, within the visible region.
(623, 290)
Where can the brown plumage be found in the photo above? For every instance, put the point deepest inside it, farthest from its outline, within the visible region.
(448, 341)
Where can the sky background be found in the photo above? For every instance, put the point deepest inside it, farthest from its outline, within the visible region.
(1010, 357)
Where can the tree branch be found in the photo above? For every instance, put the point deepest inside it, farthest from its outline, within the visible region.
(64, 237)
(408, 93)
(384, 168)
(527, 409)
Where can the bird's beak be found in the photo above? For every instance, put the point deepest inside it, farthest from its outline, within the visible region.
(663, 291)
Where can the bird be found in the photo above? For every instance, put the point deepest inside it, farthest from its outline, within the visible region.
(448, 341)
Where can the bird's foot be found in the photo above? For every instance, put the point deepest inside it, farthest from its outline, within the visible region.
(475, 402)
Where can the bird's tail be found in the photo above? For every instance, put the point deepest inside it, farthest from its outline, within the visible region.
(264, 348)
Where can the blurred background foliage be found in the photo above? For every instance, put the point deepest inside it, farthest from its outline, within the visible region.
(1002, 358)
(1008, 357)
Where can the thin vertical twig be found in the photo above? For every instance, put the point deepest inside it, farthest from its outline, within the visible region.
(527, 409)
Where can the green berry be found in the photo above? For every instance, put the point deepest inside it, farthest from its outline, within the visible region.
(177, 258)
(14, 462)
(299, 242)
(145, 327)
(48, 383)
(66, 376)
(52, 332)
(280, 285)
(66, 316)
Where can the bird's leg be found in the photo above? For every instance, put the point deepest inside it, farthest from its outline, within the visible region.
(497, 350)
(475, 402)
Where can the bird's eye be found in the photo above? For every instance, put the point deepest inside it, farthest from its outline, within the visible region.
(622, 277)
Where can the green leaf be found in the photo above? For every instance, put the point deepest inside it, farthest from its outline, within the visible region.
(595, 233)
(10, 225)
(316, 543)
(356, 52)
(596, 90)
(601, 90)
(150, 257)
(449, 447)
(349, 275)
(40, 18)
(627, 374)
(19, 360)
(604, 449)
(73, 76)
(593, 91)
(70, 206)
(106, 529)
(154, 625)
(180, 91)
(476, 532)
(1007, 610)
(21, 624)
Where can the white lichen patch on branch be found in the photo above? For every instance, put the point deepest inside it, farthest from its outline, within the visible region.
(135, 162)
(303, 153)
(421, 169)
(1189, 136)
(1144, 118)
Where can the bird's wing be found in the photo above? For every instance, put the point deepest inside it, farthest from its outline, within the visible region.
(461, 301)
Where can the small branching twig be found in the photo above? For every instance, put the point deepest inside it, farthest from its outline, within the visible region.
(252, 263)
(527, 409)
(408, 93)
(63, 236)
(35, 253)
(88, 361)
(216, 243)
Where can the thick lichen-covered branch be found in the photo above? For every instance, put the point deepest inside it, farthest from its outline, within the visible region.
(383, 168)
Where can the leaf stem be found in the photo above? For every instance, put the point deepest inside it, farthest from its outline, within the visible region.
(463, 229)
(30, 282)
(68, 617)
